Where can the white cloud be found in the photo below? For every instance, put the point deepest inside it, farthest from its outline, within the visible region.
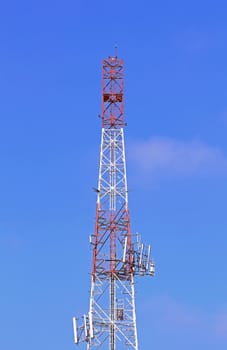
(171, 157)
(193, 41)
(222, 117)
(173, 316)
(220, 325)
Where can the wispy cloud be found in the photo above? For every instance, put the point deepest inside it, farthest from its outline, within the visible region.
(220, 325)
(222, 117)
(11, 241)
(195, 41)
(171, 157)
(173, 316)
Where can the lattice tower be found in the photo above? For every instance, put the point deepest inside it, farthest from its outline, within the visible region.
(118, 256)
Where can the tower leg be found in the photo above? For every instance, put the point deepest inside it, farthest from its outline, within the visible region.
(112, 312)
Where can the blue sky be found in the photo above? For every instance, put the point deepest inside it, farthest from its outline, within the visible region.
(175, 56)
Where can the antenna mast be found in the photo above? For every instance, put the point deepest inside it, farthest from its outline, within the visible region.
(118, 256)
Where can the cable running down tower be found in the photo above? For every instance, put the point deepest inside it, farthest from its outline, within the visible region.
(118, 255)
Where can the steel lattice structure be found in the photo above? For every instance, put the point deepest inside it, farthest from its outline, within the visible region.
(118, 256)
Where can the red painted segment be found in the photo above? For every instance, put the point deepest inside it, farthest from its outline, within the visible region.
(113, 93)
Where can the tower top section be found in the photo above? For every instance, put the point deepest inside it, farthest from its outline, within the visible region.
(113, 93)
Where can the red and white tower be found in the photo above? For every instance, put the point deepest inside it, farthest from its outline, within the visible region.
(118, 255)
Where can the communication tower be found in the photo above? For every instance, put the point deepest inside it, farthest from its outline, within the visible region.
(118, 256)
